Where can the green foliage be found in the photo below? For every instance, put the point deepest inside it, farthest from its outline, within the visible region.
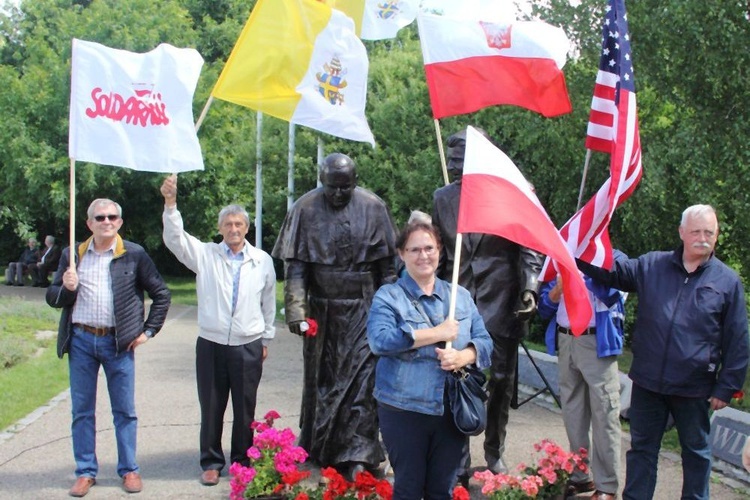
(30, 373)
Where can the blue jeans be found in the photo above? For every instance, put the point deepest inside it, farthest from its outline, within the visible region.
(87, 353)
(649, 412)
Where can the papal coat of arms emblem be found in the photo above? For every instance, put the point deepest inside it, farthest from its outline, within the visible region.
(331, 81)
(389, 9)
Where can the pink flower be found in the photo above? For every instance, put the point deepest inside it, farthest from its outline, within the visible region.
(253, 453)
(271, 415)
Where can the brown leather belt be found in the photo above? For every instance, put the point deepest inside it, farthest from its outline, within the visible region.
(99, 331)
(568, 331)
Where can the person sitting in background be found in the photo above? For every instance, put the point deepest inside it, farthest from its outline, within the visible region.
(47, 263)
(407, 328)
(14, 273)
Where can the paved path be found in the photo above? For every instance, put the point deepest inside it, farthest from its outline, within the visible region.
(36, 460)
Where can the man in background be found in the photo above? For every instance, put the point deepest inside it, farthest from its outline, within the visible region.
(15, 271)
(48, 261)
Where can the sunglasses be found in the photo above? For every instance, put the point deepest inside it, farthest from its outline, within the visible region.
(110, 217)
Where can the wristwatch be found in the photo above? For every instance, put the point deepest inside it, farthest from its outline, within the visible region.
(149, 333)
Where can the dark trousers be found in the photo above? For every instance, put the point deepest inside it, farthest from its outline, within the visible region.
(221, 370)
(500, 386)
(424, 451)
(39, 273)
(648, 414)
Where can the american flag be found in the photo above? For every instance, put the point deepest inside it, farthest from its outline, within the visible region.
(612, 128)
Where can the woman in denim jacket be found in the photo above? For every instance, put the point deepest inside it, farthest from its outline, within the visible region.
(407, 328)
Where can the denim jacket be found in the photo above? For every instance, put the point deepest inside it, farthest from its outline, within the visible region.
(411, 378)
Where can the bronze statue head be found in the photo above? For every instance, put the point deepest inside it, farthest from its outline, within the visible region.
(457, 151)
(338, 175)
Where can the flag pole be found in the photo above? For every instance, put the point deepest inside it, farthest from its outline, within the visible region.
(203, 113)
(583, 178)
(290, 164)
(454, 280)
(442, 152)
(259, 181)
(72, 214)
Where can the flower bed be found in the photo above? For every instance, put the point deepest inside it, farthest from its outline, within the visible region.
(274, 471)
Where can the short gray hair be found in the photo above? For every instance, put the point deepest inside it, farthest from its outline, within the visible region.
(234, 210)
(49, 239)
(696, 211)
(102, 202)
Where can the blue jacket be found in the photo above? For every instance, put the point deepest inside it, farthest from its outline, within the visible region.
(132, 272)
(609, 313)
(690, 337)
(408, 378)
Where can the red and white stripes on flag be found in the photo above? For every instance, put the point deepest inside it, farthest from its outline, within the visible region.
(612, 128)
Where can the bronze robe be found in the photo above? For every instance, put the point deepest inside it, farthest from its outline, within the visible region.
(335, 260)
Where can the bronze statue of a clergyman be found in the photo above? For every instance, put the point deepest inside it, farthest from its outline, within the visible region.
(338, 246)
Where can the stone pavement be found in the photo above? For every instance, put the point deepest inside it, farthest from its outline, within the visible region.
(36, 460)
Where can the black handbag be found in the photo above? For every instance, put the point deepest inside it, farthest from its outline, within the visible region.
(466, 390)
(467, 396)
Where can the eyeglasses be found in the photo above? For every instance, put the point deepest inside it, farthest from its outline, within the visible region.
(416, 251)
(110, 217)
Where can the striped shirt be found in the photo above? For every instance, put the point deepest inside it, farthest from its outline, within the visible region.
(94, 304)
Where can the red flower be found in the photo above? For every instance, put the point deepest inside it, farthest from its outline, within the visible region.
(312, 329)
(460, 493)
(302, 496)
(739, 395)
(384, 489)
(294, 477)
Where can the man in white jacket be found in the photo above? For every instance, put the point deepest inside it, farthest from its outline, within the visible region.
(236, 288)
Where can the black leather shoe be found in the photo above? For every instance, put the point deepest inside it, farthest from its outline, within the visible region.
(574, 488)
(463, 480)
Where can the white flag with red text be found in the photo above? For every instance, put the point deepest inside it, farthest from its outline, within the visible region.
(497, 199)
(134, 110)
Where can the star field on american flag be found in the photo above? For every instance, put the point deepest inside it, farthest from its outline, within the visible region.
(616, 50)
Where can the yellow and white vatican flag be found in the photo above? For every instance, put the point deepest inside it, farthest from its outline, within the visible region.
(134, 110)
(378, 19)
(300, 60)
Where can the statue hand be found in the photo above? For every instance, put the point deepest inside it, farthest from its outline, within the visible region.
(296, 327)
(529, 302)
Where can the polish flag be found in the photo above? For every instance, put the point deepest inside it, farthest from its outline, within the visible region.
(470, 65)
(497, 199)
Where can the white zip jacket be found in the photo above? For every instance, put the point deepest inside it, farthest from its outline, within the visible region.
(255, 312)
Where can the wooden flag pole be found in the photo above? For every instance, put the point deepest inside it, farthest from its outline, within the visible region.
(72, 214)
(454, 281)
(203, 113)
(583, 179)
(442, 152)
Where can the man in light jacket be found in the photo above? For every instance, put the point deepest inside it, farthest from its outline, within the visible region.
(236, 288)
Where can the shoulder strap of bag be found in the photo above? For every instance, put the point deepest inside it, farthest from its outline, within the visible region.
(417, 305)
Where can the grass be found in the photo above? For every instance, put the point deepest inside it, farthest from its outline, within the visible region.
(30, 372)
